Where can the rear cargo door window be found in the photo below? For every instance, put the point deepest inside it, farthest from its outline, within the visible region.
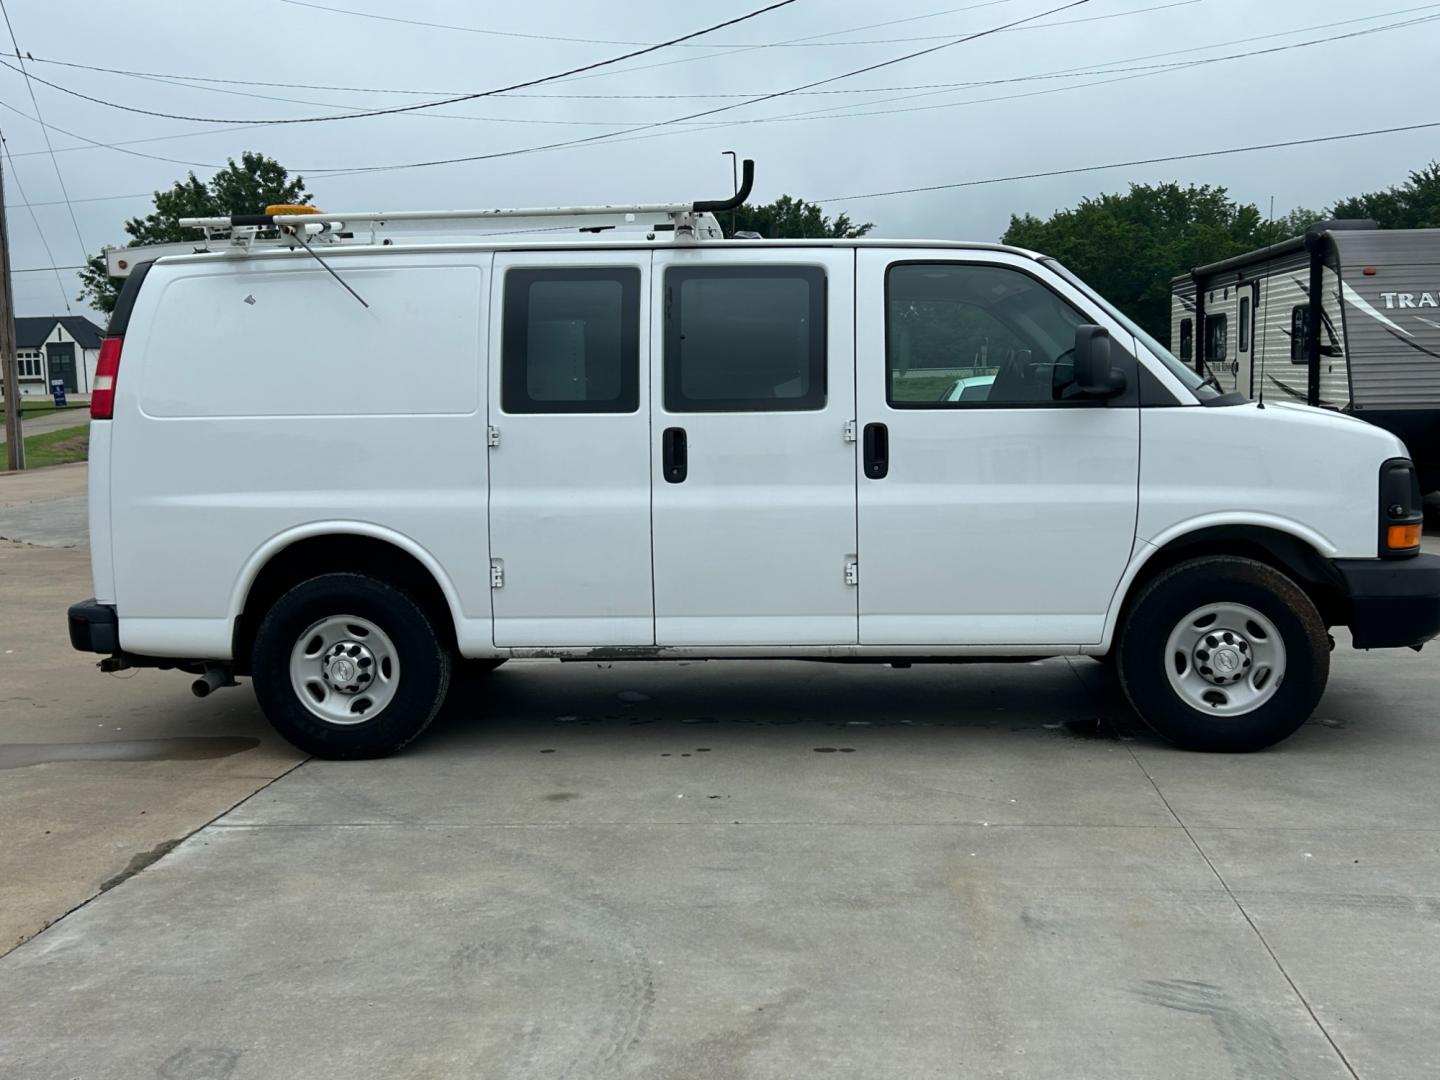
(744, 339)
(571, 341)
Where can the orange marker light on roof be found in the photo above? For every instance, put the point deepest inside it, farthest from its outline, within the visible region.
(290, 208)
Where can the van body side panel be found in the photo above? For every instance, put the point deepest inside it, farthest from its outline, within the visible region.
(752, 546)
(259, 399)
(570, 473)
(1242, 465)
(995, 525)
(102, 569)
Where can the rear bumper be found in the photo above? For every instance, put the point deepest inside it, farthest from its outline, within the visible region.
(1393, 604)
(94, 627)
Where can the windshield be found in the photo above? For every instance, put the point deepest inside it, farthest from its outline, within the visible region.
(1198, 386)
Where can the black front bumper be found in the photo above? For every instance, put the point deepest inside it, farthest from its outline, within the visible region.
(1393, 603)
(94, 627)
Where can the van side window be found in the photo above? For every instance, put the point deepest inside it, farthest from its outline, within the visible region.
(1244, 329)
(571, 341)
(1187, 340)
(1300, 334)
(1217, 338)
(744, 339)
(962, 335)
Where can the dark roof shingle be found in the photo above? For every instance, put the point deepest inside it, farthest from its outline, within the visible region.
(32, 331)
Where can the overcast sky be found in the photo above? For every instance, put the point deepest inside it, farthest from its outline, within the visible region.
(947, 135)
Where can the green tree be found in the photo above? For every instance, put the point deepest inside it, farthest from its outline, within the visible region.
(1415, 204)
(1129, 246)
(794, 219)
(246, 188)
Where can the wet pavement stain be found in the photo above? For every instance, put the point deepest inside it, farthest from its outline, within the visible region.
(194, 748)
(140, 862)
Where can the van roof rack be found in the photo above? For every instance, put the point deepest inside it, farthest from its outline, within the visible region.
(284, 226)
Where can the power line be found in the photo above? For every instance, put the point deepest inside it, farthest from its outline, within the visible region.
(92, 198)
(117, 147)
(1072, 72)
(753, 48)
(833, 112)
(46, 270)
(1098, 69)
(15, 176)
(711, 112)
(613, 41)
(1136, 162)
(401, 108)
(84, 249)
(850, 109)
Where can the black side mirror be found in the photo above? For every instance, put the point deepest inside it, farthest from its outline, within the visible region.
(1094, 376)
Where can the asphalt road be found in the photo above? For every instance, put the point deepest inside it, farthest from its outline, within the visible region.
(710, 870)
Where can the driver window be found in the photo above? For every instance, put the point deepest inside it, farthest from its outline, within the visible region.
(963, 335)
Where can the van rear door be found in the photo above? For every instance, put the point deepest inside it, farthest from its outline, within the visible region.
(754, 492)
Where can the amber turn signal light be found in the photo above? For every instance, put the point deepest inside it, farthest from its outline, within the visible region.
(1401, 537)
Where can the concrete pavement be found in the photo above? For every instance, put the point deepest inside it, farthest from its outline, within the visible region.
(716, 870)
(97, 772)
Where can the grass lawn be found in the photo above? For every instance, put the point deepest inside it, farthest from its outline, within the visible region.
(39, 406)
(54, 448)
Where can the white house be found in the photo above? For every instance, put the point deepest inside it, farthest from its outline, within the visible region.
(64, 347)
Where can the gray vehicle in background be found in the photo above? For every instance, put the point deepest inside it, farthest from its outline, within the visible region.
(1369, 346)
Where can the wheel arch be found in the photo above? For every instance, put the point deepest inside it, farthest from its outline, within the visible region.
(291, 557)
(1299, 553)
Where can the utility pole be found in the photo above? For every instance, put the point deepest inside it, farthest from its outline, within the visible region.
(14, 439)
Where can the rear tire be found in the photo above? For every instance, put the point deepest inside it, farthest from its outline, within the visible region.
(348, 666)
(1223, 653)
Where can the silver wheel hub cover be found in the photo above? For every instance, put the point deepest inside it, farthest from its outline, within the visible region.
(348, 667)
(344, 669)
(1225, 659)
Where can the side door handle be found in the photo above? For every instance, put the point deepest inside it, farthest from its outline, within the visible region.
(877, 451)
(674, 452)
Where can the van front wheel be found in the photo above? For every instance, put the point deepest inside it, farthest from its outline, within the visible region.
(348, 666)
(1223, 653)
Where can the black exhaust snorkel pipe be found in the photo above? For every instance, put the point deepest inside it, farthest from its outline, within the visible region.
(714, 206)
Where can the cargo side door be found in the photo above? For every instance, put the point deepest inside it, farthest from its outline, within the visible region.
(753, 383)
(570, 454)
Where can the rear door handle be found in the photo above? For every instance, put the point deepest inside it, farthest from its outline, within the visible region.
(674, 451)
(877, 451)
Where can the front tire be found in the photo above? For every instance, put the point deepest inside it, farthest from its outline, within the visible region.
(348, 666)
(1223, 654)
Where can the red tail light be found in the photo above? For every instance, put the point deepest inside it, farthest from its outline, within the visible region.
(107, 370)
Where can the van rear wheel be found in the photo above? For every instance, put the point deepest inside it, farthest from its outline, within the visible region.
(347, 666)
(1224, 653)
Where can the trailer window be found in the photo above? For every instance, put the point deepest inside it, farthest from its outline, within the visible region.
(1300, 334)
(1217, 336)
(1187, 340)
(571, 341)
(1244, 329)
(744, 339)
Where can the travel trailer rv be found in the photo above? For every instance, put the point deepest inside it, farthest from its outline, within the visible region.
(1346, 317)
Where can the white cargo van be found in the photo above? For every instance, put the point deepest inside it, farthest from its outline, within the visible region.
(339, 453)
